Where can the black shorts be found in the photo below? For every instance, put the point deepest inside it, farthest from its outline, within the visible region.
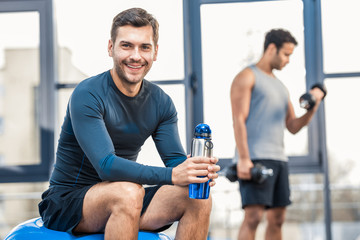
(61, 207)
(273, 192)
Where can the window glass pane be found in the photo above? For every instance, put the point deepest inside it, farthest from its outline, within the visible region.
(19, 82)
(226, 50)
(148, 154)
(343, 130)
(86, 36)
(305, 214)
(341, 37)
(342, 133)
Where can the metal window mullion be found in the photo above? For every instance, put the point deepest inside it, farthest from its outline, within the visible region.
(342, 75)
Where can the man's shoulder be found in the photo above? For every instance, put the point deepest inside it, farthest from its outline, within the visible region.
(160, 101)
(245, 76)
(151, 86)
(155, 91)
(93, 81)
(94, 87)
(248, 71)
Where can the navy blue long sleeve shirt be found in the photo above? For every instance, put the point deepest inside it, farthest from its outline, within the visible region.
(103, 132)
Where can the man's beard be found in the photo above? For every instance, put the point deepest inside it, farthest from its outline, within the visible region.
(121, 74)
(276, 65)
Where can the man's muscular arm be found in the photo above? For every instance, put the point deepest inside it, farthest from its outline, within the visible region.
(240, 104)
(294, 124)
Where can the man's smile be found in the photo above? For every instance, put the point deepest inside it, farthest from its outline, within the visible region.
(134, 66)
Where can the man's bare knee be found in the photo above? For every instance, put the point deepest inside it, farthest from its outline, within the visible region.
(276, 220)
(193, 205)
(253, 223)
(204, 206)
(126, 198)
(253, 218)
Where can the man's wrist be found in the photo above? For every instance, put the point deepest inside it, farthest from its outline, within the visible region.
(169, 176)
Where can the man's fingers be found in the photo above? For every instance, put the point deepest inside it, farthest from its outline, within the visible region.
(214, 160)
(244, 176)
(197, 173)
(198, 179)
(204, 160)
(201, 166)
(213, 168)
(212, 183)
(210, 168)
(213, 175)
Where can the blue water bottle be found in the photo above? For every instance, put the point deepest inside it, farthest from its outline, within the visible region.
(201, 145)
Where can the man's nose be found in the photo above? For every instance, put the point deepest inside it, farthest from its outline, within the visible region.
(287, 61)
(135, 55)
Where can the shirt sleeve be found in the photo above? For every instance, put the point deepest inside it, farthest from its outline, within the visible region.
(167, 139)
(86, 111)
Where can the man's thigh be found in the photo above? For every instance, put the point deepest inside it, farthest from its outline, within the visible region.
(61, 207)
(166, 207)
(98, 202)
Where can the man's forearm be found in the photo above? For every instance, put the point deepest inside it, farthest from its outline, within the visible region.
(241, 140)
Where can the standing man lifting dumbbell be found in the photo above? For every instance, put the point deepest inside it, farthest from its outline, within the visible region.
(261, 110)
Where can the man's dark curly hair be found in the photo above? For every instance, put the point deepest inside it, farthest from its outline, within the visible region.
(278, 37)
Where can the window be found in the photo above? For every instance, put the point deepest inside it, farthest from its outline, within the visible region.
(26, 103)
(341, 38)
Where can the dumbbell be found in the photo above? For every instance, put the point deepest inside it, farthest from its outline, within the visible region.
(307, 100)
(259, 173)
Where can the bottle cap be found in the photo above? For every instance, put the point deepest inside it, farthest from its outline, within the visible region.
(202, 130)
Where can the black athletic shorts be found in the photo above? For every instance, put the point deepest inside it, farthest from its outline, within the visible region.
(61, 207)
(273, 192)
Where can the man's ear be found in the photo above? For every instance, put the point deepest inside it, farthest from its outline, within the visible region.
(156, 52)
(110, 48)
(271, 49)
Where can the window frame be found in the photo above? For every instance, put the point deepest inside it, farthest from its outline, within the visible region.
(46, 114)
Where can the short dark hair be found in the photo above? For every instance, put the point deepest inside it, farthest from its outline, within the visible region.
(136, 17)
(278, 37)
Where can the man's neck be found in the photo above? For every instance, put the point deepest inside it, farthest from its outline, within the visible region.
(265, 66)
(130, 90)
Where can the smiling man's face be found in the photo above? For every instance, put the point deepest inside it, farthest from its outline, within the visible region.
(133, 53)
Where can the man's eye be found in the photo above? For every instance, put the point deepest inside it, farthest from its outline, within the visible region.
(145, 47)
(125, 45)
